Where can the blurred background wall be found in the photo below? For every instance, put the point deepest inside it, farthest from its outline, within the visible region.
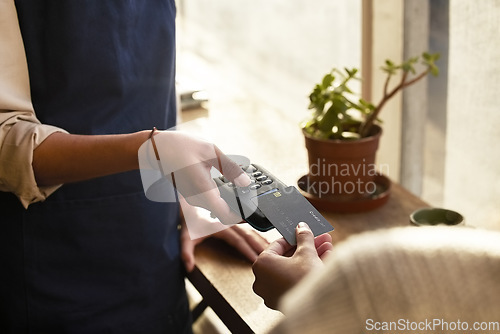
(472, 165)
(278, 49)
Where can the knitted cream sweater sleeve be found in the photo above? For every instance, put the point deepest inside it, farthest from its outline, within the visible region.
(390, 281)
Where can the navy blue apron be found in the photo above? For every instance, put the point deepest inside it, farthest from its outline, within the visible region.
(96, 256)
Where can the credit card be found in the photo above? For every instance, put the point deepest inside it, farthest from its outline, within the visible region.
(286, 208)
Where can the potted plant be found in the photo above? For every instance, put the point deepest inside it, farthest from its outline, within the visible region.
(343, 133)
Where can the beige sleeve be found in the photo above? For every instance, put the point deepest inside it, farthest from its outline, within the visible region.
(321, 303)
(401, 276)
(20, 131)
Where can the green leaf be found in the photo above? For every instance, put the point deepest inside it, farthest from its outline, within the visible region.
(390, 70)
(327, 80)
(331, 116)
(408, 67)
(342, 89)
(351, 72)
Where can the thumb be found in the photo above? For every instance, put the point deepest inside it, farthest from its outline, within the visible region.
(230, 169)
(305, 238)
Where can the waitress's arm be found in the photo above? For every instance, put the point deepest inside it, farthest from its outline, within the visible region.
(35, 158)
(63, 158)
(20, 131)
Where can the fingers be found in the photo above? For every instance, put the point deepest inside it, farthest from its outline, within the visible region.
(187, 253)
(279, 247)
(254, 239)
(239, 242)
(231, 170)
(271, 277)
(187, 244)
(193, 180)
(212, 201)
(197, 186)
(305, 239)
(323, 244)
(290, 252)
(322, 238)
(242, 180)
(324, 250)
(223, 212)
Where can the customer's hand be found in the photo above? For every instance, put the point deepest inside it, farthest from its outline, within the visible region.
(281, 266)
(189, 160)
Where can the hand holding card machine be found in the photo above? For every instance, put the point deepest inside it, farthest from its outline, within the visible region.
(267, 203)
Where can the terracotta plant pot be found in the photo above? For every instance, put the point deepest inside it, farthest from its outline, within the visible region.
(342, 170)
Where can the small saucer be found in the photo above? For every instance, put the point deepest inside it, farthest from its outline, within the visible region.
(379, 197)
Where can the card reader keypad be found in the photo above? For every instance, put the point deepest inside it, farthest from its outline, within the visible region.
(239, 198)
(260, 180)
